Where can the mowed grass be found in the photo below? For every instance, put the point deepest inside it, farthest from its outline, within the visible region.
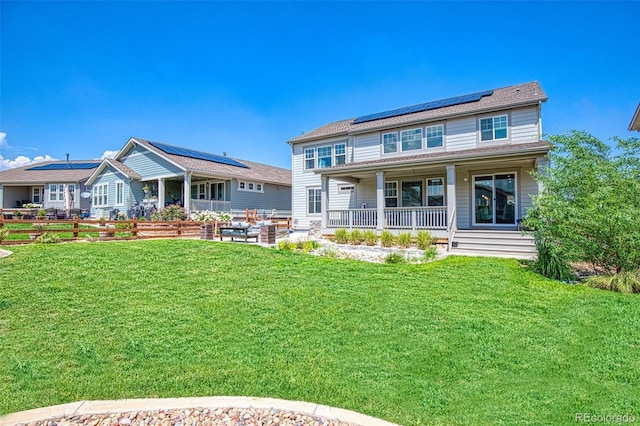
(458, 341)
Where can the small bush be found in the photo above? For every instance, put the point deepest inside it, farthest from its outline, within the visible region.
(341, 236)
(286, 245)
(425, 240)
(47, 238)
(623, 282)
(171, 212)
(395, 258)
(124, 225)
(331, 252)
(430, 253)
(404, 239)
(308, 245)
(386, 238)
(370, 237)
(551, 264)
(356, 237)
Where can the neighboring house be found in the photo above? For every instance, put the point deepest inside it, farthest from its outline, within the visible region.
(458, 163)
(54, 184)
(635, 121)
(154, 175)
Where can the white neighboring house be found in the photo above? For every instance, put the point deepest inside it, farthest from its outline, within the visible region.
(460, 163)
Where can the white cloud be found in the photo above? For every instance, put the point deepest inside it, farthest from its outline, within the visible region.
(108, 154)
(3, 140)
(21, 160)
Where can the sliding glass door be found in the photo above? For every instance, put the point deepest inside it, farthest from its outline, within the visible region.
(494, 200)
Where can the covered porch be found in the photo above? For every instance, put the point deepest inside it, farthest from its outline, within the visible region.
(487, 194)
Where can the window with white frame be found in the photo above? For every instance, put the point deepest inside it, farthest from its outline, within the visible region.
(250, 186)
(314, 201)
(310, 158)
(493, 128)
(72, 190)
(346, 188)
(100, 195)
(324, 157)
(37, 195)
(119, 193)
(391, 194)
(435, 136)
(435, 192)
(390, 142)
(411, 139)
(340, 151)
(56, 192)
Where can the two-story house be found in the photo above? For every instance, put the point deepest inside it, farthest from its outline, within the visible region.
(460, 163)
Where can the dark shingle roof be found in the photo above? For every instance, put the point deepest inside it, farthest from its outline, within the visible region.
(506, 97)
(21, 175)
(257, 172)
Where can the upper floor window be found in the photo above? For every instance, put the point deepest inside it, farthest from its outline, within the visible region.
(324, 157)
(411, 139)
(390, 142)
(493, 128)
(340, 153)
(434, 136)
(310, 158)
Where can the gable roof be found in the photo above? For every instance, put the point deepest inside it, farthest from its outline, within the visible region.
(249, 170)
(507, 97)
(36, 176)
(635, 121)
(121, 167)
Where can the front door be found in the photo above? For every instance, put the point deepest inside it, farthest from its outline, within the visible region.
(412, 193)
(494, 201)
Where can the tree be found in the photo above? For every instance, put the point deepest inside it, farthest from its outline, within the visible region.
(589, 210)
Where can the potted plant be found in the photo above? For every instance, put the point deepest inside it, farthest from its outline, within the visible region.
(17, 214)
(41, 214)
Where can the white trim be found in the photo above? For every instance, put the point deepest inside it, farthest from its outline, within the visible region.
(119, 193)
(247, 185)
(421, 139)
(385, 193)
(314, 188)
(426, 137)
(444, 191)
(100, 198)
(493, 128)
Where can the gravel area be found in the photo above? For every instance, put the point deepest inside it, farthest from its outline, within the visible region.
(195, 416)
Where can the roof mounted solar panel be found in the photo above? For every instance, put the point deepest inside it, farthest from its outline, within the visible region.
(198, 155)
(66, 166)
(458, 100)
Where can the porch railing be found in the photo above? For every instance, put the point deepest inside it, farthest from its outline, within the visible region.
(211, 205)
(352, 218)
(395, 218)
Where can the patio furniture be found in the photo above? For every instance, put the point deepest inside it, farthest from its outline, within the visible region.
(240, 230)
(50, 213)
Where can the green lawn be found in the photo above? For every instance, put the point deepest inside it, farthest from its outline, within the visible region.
(458, 341)
(84, 230)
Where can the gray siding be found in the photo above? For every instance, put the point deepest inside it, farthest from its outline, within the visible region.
(111, 176)
(276, 197)
(460, 134)
(524, 125)
(149, 165)
(367, 147)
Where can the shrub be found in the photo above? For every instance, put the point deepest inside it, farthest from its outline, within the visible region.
(370, 237)
(356, 237)
(404, 239)
(171, 212)
(623, 282)
(386, 238)
(47, 238)
(430, 253)
(395, 257)
(309, 245)
(331, 252)
(286, 245)
(425, 240)
(124, 225)
(551, 263)
(341, 236)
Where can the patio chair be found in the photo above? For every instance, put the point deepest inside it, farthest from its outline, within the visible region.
(51, 213)
(61, 214)
(75, 212)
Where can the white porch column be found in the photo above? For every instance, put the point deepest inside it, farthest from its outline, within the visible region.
(324, 200)
(380, 200)
(186, 198)
(451, 195)
(160, 194)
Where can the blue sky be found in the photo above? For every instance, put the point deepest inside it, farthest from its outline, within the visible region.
(244, 77)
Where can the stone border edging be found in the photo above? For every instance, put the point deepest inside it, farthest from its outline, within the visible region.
(242, 402)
